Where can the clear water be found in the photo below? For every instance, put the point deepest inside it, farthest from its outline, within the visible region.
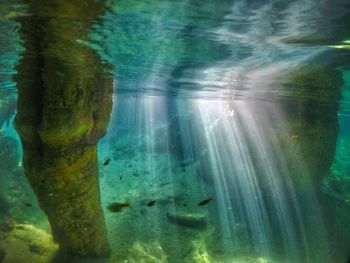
(245, 102)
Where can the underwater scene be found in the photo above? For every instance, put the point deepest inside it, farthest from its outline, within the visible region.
(175, 131)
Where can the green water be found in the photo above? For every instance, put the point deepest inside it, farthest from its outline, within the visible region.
(243, 104)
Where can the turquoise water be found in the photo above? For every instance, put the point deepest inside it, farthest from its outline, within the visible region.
(245, 103)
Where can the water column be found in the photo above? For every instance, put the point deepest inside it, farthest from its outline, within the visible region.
(64, 105)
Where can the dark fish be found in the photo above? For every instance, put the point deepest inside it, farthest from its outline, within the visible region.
(151, 203)
(27, 204)
(15, 28)
(121, 177)
(107, 161)
(165, 183)
(135, 174)
(184, 204)
(205, 202)
(118, 207)
(142, 212)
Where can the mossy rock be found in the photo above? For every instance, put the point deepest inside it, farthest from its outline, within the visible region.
(317, 82)
(63, 110)
(311, 117)
(146, 253)
(26, 243)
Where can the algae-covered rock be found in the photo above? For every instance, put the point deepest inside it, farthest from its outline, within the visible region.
(200, 252)
(191, 220)
(26, 243)
(146, 253)
(311, 117)
(64, 105)
(262, 260)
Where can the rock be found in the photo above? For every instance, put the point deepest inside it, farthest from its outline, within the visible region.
(146, 253)
(26, 243)
(36, 249)
(262, 260)
(200, 252)
(314, 124)
(62, 113)
(197, 221)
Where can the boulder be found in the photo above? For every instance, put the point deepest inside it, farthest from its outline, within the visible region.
(26, 243)
(147, 253)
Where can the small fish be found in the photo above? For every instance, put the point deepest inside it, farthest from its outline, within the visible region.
(142, 212)
(184, 204)
(205, 202)
(27, 204)
(135, 174)
(121, 177)
(151, 203)
(14, 29)
(118, 207)
(105, 163)
(165, 183)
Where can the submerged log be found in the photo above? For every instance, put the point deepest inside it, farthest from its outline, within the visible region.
(64, 105)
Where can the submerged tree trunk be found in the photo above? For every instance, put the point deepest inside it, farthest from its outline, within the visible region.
(64, 106)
